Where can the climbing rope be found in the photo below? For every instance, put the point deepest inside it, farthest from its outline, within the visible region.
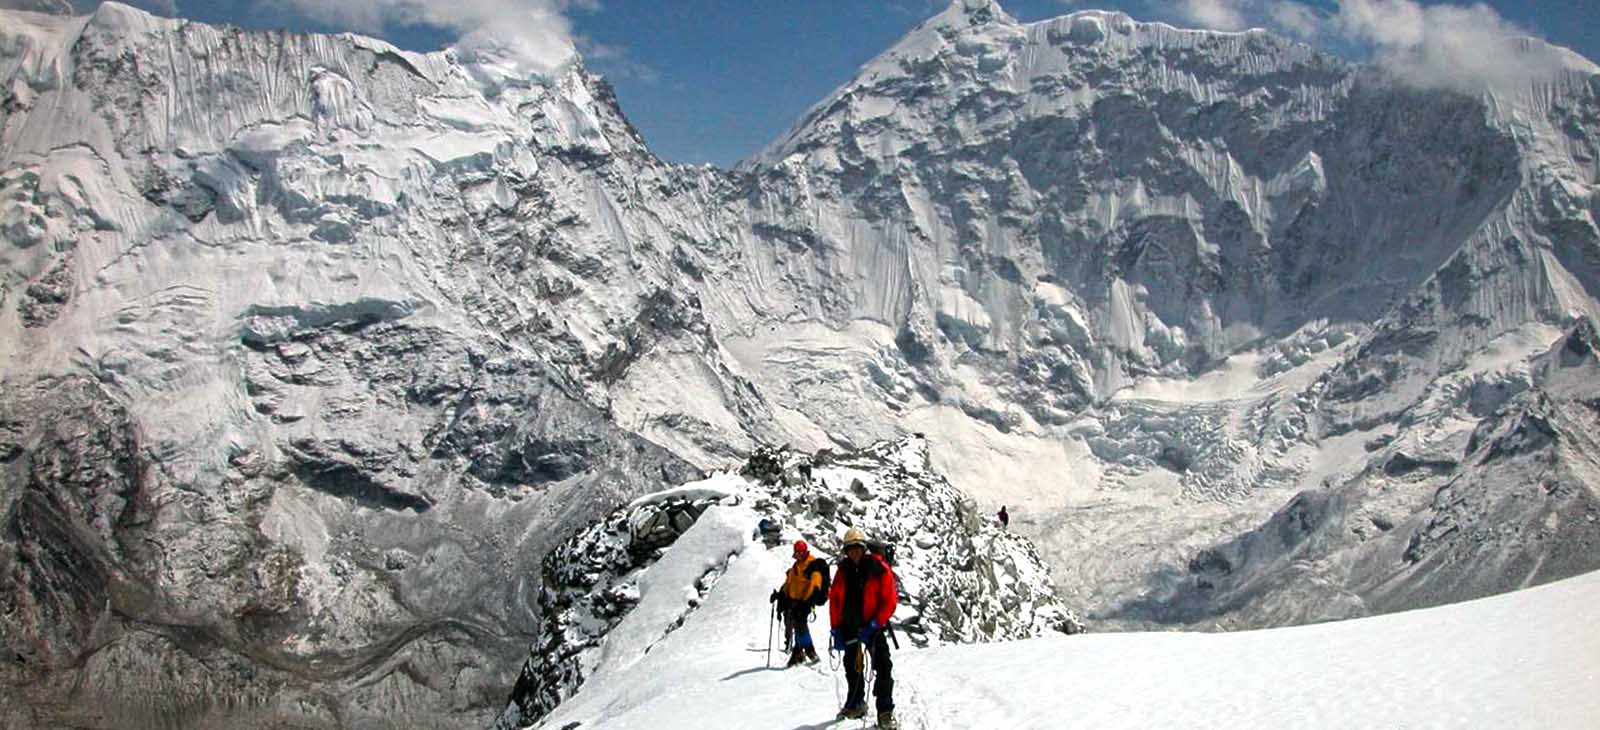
(834, 662)
(869, 674)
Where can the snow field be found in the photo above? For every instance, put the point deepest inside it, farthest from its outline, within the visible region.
(1529, 659)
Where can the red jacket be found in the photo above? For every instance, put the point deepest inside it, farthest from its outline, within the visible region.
(877, 602)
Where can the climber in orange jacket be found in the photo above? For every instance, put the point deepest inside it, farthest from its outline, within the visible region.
(805, 586)
(861, 602)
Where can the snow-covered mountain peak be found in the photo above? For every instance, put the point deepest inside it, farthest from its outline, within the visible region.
(953, 64)
(125, 20)
(970, 13)
(499, 62)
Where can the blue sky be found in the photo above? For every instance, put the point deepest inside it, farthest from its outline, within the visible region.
(715, 80)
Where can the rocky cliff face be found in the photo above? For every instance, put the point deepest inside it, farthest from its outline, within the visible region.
(312, 348)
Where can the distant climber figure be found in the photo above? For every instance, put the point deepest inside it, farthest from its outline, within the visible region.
(861, 602)
(769, 531)
(1005, 519)
(805, 586)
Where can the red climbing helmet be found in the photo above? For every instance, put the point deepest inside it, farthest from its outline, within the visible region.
(800, 548)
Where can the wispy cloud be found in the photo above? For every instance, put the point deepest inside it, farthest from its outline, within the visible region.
(1298, 20)
(916, 8)
(1217, 14)
(1467, 48)
(1448, 46)
(79, 7)
(614, 61)
(534, 35)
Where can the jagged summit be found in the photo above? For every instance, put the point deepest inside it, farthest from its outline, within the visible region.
(1000, 55)
(970, 13)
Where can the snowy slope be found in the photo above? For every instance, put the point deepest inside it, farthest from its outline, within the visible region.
(609, 588)
(1529, 659)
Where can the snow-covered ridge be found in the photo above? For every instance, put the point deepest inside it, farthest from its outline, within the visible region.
(617, 589)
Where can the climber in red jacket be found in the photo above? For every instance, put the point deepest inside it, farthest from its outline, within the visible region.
(860, 602)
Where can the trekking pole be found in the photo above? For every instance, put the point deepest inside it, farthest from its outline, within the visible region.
(771, 619)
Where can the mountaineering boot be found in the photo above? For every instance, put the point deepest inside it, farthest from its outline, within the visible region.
(886, 720)
(811, 655)
(796, 657)
(850, 713)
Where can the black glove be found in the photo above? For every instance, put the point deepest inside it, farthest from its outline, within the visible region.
(773, 598)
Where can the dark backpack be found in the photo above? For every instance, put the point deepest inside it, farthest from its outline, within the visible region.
(884, 550)
(819, 566)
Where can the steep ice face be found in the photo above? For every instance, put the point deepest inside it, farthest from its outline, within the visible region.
(347, 322)
(1082, 200)
(1070, 229)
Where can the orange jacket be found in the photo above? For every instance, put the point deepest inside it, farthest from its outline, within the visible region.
(878, 600)
(799, 583)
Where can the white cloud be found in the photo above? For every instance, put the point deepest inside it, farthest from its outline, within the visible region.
(1467, 48)
(1298, 20)
(534, 36)
(1215, 14)
(1287, 16)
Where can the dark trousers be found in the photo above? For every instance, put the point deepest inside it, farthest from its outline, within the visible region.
(882, 667)
(796, 627)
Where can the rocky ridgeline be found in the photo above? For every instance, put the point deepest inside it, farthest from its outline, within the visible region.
(589, 585)
(962, 578)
